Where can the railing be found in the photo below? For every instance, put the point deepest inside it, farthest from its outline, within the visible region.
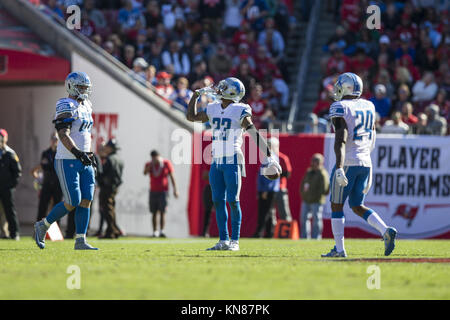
(297, 96)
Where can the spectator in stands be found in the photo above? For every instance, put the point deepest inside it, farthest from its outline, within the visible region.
(128, 56)
(244, 73)
(384, 78)
(314, 187)
(436, 124)
(338, 61)
(154, 58)
(255, 12)
(390, 18)
(361, 64)
(198, 74)
(177, 58)
(220, 63)
(323, 104)
(95, 15)
(381, 101)
(272, 40)
(403, 96)
(142, 44)
(425, 89)
(207, 46)
(443, 103)
(407, 62)
(53, 6)
(262, 115)
(150, 75)
(163, 86)
(152, 14)
(128, 16)
(395, 125)
(244, 56)
(87, 26)
(386, 48)
(197, 53)
(139, 67)
(341, 39)
(402, 76)
(182, 94)
(108, 46)
(405, 49)
(422, 125)
(233, 17)
(407, 115)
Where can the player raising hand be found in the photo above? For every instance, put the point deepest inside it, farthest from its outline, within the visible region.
(228, 118)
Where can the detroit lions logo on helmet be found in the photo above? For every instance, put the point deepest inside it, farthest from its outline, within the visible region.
(348, 84)
(79, 85)
(231, 89)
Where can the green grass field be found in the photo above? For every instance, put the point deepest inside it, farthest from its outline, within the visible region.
(143, 268)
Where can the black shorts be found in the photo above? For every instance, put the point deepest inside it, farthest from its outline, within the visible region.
(158, 201)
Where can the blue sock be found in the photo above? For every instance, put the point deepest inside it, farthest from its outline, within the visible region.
(222, 218)
(367, 214)
(236, 217)
(57, 213)
(82, 219)
(337, 215)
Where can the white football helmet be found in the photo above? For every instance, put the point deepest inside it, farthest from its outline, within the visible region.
(230, 89)
(348, 84)
(78, 84)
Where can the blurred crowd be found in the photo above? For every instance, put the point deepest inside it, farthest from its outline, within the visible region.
(404, 65)
(182, 45)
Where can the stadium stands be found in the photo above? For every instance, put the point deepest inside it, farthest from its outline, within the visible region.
(203, 41)
(185, 38)
(406, 62)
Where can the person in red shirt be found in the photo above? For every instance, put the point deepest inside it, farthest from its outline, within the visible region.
(282, 197)
(361, 64)
(262, 114)
(159, 170)
(338, 61)
(163, 88)
(407, 114)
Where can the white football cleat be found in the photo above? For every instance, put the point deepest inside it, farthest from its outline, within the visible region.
(221, 245)
(234, 245)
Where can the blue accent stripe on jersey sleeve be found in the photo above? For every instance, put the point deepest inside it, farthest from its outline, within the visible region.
(245, 114)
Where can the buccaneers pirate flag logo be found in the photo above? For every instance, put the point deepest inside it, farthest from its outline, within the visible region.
(406, 212)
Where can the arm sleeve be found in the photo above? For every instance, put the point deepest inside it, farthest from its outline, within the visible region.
(246, 112)
(169, 166)
(64, 107)
(337, 110)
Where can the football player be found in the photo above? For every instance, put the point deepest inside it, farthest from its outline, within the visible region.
(354, 123)
(74, 161)
(228, 118)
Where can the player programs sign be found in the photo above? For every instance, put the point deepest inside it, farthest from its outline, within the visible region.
(410, 185)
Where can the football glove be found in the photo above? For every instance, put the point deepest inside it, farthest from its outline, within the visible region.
(82, 156)
(270, 161)
(341, 178)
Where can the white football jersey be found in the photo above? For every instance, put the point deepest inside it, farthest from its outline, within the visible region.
(80, 132)
(359, 114)
(226, 126)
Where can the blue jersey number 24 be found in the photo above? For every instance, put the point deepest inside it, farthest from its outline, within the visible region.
(366, 121)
